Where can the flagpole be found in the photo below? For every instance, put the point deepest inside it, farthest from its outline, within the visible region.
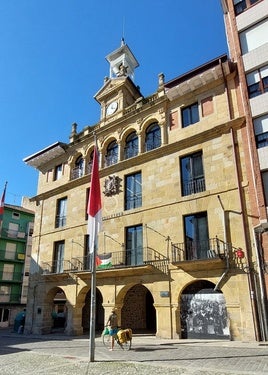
(92, 308)
(94, 222)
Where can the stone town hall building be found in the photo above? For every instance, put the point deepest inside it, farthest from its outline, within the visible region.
(177, 219)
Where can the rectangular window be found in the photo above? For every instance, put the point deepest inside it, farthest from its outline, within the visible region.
(13, 230)
(192, 174)
(8, 271)
(241, 5)
(61, 213)
(10, 250)
(196, 236)
(262, 140)
(134, 245)
(133, 191)
(264, 176)
(254, 37)
(58, 172)
(257, 82)
(5, 293)
(58, 258)
(190, 115)
(261, 131)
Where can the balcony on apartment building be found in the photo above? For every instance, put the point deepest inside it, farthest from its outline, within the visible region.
(193, 255)
(140, 260)
(189, 255)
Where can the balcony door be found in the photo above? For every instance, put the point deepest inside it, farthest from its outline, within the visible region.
(196, 236)
(58, 257)
(134, 246)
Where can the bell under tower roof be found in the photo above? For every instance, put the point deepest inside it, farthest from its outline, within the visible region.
(122, 62)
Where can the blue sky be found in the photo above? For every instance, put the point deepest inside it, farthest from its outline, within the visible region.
(52, 63)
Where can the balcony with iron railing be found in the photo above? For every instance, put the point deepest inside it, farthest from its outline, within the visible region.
(193, 186)
(143, 256)
(191, 252)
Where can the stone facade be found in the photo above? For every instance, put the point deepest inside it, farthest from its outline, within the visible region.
(173, 224)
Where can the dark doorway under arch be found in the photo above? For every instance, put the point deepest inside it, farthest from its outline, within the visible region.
(59, 312)
(138, 311)
(99, 319)
(203, 312)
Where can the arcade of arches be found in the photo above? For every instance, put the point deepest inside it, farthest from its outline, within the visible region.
(200, 311)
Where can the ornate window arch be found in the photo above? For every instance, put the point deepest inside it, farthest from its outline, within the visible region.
(131, 145)
(152, 137)
(111, 154)
(78, 169)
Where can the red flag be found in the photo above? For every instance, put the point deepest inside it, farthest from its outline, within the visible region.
(94, 205)
(2, 202)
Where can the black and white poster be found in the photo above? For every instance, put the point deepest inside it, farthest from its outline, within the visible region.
(204, 316)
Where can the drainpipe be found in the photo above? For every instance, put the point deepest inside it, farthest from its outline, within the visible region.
(223, 210)
(250, 277)
(225, 241)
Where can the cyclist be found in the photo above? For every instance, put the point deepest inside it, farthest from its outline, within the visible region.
(112, 322)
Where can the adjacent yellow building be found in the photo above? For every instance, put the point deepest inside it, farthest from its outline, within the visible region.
(175, 245)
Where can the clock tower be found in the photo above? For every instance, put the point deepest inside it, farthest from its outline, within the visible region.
(119, 90)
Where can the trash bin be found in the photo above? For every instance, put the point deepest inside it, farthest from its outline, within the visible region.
(19, 322)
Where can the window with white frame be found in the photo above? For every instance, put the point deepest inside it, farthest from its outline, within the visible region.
(8, 271)
(261, 131)
(254, 37)
(10, 251)
(241, 5)
(257, 82)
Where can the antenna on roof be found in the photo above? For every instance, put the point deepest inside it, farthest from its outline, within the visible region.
(123, 32)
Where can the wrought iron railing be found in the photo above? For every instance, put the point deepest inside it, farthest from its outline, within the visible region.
(194, 186)
(195, 250)
(119, 259)
(76, 172)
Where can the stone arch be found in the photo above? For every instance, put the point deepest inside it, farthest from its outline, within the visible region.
(137, 308)
(84, 302)
(77, 165)
(148, 122)
(55, 310)
(89, 159)
(203, 313)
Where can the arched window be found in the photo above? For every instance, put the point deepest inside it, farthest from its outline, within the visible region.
(78, 169)
(152, 137)
(112, 154)
(89, 164)
(131, 147)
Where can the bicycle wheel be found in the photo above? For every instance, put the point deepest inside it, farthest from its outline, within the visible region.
(106, 339)
(125, 345)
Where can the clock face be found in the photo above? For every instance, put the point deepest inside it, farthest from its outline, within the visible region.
(112, 107)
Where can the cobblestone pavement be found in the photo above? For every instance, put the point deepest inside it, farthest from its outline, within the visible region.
(59, 354)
